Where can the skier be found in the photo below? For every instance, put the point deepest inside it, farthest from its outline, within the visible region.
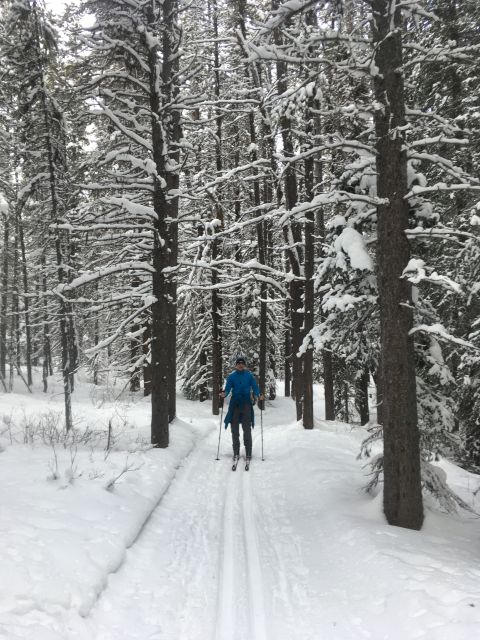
(240, 382)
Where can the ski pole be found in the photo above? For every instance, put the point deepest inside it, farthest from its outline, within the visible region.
(220, 430)
(261, 425)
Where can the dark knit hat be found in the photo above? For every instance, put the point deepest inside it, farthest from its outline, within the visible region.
(240, 359)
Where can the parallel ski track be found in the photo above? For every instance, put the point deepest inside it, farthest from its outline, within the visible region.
(226, 619)
(254, 567)
(239, 611)
(240, 574)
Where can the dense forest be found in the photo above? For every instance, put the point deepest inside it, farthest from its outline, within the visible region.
(185, 181)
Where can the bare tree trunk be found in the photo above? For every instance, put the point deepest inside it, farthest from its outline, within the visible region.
(261, 227)
(16, 301)
(346, 403)
(261, 244)
(328, 381)
(287, 371)
(328, 378)
(95, 342)
(309, 297)
(135, 351)
(402, 484)
(361, 397)
(47, 368)
(203, 362)
(26, 302)
(309, 320)
(147, 365)
(292, 234)
(172, 319)
(4, 297)
(166, 133)
(217, 369)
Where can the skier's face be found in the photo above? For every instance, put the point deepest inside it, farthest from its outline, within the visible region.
(240, 366)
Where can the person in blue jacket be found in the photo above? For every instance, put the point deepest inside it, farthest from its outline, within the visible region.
(240, 382)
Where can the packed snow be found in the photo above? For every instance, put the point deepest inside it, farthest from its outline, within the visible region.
(124, 542)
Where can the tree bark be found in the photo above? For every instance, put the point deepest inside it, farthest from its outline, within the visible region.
(309, 302)
(287, 370)
(147, 365)
(47, 369)
(217, 367)
(4, 297)
(26, 302)
(402, 485)
(329, 388)
(361, 397)
(292, 234)
(166, 132)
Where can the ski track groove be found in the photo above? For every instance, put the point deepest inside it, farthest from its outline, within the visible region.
(225, 609)
(254, 569)
(217, 507)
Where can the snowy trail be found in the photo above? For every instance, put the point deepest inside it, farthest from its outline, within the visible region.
(254, 570)
(168, 582)
(225, 607)
(195, 571)
(291, 550)
(240, 584)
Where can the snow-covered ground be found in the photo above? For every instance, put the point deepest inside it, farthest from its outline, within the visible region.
(132, 543)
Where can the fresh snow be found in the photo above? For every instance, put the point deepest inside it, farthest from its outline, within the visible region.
(181, 548)
(353, 244)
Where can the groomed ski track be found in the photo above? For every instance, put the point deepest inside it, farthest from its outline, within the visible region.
(196, 572)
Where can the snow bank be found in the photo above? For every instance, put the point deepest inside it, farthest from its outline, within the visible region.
(69, 508)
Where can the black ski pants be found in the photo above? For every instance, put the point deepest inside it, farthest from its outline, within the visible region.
(241, 413)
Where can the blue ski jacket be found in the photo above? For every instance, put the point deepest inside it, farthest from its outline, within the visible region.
(240, 383)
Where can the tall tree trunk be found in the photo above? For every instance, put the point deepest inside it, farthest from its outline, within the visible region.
(47, 367)
(346, 402)
(16, 301)
(327, 360)
(328, 381)
(327, 364)
(172, 317)
(135, 371)
(71, 325)
(292, 233)
(147, 364)
(309, 297)
(26, 302)
(203, 362)
(402, 485)
(4, 296)
(166, 133)
(95, 342)
(217, 368)
(287, 341)
(361, 397)
(261, 227)
(261, 244)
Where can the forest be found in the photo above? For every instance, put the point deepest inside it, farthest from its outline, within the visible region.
(180, 184)
(292, 182)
